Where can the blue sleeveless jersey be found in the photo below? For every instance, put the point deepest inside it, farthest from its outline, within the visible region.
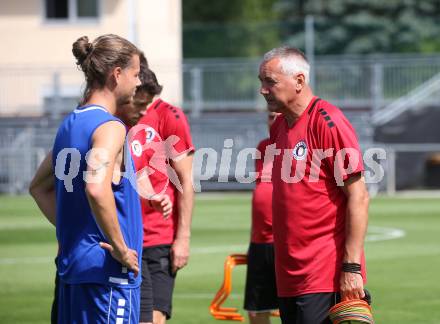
(81, 259)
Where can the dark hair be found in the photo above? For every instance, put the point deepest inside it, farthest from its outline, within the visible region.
(99, 58)
(144, 66)
(149, 82)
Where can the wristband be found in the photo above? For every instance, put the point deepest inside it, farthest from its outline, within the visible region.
(351, 267)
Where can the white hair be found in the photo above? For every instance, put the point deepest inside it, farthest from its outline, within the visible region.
(292, 60)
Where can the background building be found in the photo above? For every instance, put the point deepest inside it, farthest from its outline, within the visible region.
(37, 69)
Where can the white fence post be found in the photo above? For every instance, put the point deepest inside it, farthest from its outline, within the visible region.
(391, 168)
(196, 91)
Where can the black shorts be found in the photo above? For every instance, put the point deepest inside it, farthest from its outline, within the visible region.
(308, 308)
(261, 290)
(157, 282)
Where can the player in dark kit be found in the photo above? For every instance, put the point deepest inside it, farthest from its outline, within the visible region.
(320, 201)
(260, 292)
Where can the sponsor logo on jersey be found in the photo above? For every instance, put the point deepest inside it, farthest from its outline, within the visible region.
(150, 132)
(300, 151)
(136, 147)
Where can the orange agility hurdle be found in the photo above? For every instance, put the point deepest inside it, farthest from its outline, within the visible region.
(228, 313)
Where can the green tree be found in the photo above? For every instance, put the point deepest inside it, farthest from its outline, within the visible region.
(248, 28)
(366, 26)
(229, 28)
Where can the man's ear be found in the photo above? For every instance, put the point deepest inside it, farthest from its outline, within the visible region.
(116, 74)
(300, 81)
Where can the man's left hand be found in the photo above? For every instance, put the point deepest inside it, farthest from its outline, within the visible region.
(351, 286)
(162, 204)
(179, 253)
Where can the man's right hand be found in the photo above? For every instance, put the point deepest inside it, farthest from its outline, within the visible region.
(128, 258)
(162, 204)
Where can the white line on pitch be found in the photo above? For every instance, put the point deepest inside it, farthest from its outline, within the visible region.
(203, 296)
(242, 248)
(375, 234)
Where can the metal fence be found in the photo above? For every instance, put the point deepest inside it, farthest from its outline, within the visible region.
(231, 84)
(411, 167)
(367, 82)
(17, 167)
(23, 147)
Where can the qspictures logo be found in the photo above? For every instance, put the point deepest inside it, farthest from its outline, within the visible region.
(296, 164)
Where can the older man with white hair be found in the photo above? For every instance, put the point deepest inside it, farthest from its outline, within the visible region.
(320, 201)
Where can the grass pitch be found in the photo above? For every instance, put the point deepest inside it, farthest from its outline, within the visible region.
(403, 259)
